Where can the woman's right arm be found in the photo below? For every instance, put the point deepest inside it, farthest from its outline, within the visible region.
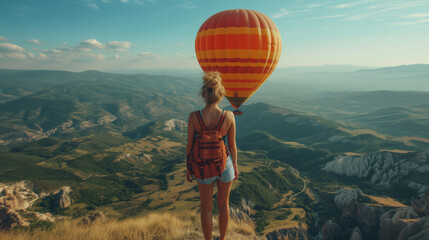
(232, 145)
(191, 137)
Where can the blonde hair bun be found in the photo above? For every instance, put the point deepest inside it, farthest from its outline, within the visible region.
(212, 90)
(212, 79)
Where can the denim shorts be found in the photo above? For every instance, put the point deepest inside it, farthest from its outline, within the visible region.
(227, 175)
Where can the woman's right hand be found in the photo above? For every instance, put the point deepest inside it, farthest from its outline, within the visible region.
(188, 176)
(235, 170)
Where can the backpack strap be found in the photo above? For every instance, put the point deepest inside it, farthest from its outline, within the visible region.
(200, 120)
(221, 120)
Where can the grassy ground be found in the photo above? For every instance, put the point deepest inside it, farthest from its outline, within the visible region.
(156, 226)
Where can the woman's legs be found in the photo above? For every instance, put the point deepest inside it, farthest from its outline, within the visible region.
(223, 190)
(206, 208)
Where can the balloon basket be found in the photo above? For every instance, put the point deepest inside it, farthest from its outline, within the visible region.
(237, 112)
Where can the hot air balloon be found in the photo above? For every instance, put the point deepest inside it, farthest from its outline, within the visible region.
(244, 46)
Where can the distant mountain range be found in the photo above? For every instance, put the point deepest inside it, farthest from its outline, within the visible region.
(400, 78)
(38, 104)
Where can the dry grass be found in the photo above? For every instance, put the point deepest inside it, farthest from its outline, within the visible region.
(385, 201)
(159, 226)
(407, 140)
(353, 154)
(286, 223)
(356, 132)
(394, 150)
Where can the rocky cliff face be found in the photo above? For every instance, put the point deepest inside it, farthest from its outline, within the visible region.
(62, 199)
(69, 126)
(242, 213)
(347, 200)
(175, 125)
(396, 223)
(384, 168)
(287, 234)
(17, 197)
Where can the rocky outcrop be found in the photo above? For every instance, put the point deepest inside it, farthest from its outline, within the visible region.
(242, 213)
(410, 222)
(175, 125)
(140, 159)
(239, 216)
(45, 217)
(356, 234)
(287, 234)
(416, 231)
(9, 219)
(19, 136)
(347, 200)
(390, 230)
(247, 206)
(93, 217)
(17, 195)
(62, 199)
(370, 215)
(383, 168)
(68, 126)
(331, 230)
(421, 206)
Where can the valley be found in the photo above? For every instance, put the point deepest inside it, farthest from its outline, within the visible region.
(118, 141)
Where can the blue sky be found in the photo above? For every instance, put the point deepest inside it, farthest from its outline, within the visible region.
(107, 35)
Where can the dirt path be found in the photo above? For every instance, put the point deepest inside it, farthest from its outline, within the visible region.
(303, 188)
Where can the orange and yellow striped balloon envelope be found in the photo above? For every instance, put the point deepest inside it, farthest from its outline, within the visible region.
(244, 46)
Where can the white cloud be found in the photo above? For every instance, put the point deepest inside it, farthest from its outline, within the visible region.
(350, 4)
(35, 41)
(43, 56)
(116, 56)
(330, 16)
(148, 56)
(316, 5)
(72, 55)
(391, 10)
(417, 15)
(13, 55)
(91, 43)
(412, 23)
(3, 38)
(187, 4)
(285, 13)
(91, 5)
(138, 2)
(39, 56)
(10, 48)
(119, 46)
(345, 5)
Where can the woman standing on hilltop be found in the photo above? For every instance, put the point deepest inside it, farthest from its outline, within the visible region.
(210, 117)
